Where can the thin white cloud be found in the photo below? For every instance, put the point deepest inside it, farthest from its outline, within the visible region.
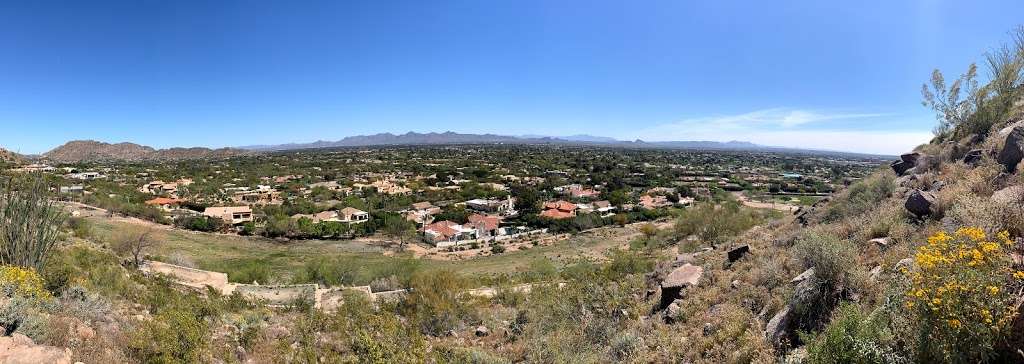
(783, 127)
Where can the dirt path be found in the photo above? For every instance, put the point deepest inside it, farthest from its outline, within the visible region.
(742, 197)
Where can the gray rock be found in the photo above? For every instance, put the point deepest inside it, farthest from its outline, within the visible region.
(920, 203)
(709, 329)
(680, 278)
(778, 329)
(906, 162)
(1013, 149)
(738, 252)
(905, 263)
(881, 242)
(973, 157)
(807, 274)
(875, 273)
(482, 331)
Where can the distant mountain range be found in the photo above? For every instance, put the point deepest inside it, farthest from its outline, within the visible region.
(90, 150)
(412, 138)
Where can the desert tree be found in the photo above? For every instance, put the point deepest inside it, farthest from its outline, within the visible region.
(31, 222)
(400, 229)
(135, 242)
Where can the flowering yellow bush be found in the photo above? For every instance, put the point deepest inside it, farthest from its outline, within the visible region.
(24, 282)
(960, 291)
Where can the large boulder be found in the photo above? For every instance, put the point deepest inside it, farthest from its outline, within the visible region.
(680, 278)
(1013, 148)
(920, 203)
(19, 349)
(906, 162)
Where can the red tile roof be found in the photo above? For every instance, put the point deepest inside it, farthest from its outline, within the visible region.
(164, 201)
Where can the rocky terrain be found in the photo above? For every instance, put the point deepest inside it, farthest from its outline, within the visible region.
(89, 150)
(7, 156)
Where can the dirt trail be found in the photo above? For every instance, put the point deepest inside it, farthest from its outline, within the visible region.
(764, 205)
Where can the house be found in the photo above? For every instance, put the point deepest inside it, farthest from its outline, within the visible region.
(231, 214)
(447, 233)
(323, 216)
(263, 195)
(166, 204)
(86, 176)
(422, 212)
(559, 210)
(72, 190)
(353, 215)
(390, 188)
(603, 206)
(505, 207)
(160, 188)
(485, 225)
(652, 202)
(332, 186)
(577, 191)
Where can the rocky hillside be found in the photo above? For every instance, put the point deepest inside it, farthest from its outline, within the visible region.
(7, 156)
(89, 150)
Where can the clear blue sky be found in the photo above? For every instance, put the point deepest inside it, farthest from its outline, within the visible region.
(840, 75)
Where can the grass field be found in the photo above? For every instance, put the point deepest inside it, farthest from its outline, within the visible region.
(236, 255)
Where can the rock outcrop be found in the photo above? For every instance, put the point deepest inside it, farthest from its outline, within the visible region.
(20, 349)
(906, 162)
(737, 253)
(680, 278)
(920, 203)
(973, 157)
(779, 330)
(1013, 147)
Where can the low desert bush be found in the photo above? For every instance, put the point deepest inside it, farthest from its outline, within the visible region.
(854, 337)
(435, 303)
(860, 197)
(833, 260)
(962, 295)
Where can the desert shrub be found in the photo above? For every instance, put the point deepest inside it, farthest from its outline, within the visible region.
(576, 322)
(27, 298)
(853, 337)
(382, 284)
(454, 354)
(861, 196)
(352, 270)
(435, 304)
(961, 295)
(247, 270)
(80, 227)
(172, 336)
(981, 213)
(200, 223)
(23, 282)
(833, 260)
(371, 336)
(714, 224)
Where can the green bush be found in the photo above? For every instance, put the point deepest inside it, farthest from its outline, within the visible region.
(715, 223)
(435, 304)
(853, 337)
(173, 336)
